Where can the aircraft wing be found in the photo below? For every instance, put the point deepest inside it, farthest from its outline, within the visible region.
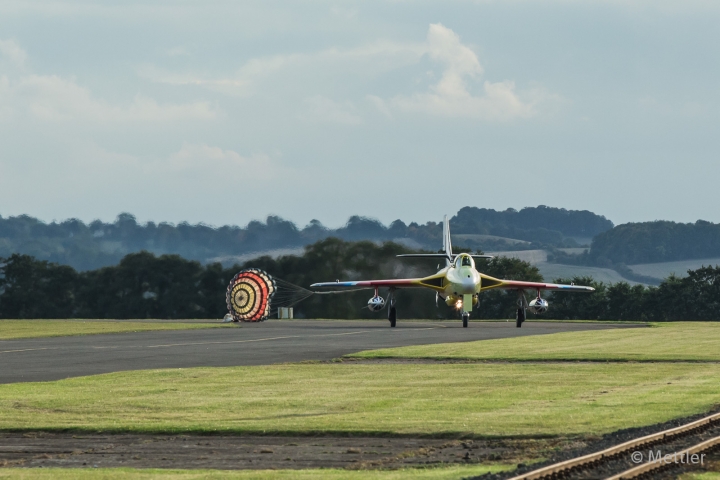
(512, 284)
(398, 283)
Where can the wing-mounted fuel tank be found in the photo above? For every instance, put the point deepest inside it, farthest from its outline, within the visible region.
(538, 306)
(376, 303)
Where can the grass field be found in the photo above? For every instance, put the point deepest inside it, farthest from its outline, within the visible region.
(443, 473)
(681, 341)
(435, 399)
(679, 268)
(540, 386)
(15, 329)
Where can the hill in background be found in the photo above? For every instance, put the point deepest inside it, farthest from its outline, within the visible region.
(560, 242)
(97, 244)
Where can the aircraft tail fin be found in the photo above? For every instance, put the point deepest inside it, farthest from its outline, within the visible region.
(447, 254)
(447, 245)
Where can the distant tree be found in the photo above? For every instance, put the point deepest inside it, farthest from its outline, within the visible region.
(31, 288)
(97, 244)
(503, 303)
(578, 306)
(626, 302)
(659, 241)
(541, 221)
(144, 286)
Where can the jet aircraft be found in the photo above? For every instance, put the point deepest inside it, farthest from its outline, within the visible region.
(459, 284)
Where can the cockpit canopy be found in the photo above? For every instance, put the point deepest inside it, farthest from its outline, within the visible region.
(464, 260)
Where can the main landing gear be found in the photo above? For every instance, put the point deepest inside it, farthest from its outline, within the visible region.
(392, 313)
(521, 312)
(519, 317)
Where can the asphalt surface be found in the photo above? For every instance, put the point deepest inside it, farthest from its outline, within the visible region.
(55, 358)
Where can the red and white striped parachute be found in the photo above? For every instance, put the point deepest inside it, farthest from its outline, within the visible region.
(249, 295)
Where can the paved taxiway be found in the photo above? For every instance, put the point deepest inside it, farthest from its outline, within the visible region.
(265, 343)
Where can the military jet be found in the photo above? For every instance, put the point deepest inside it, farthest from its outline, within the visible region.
(459, 284)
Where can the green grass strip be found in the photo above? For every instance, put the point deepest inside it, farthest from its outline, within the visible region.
(369, 399)
(16, 329)
(677, 341)
(440, 473)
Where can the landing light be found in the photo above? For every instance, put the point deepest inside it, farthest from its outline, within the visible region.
(458, 305)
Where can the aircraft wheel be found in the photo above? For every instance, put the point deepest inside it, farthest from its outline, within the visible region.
(392, 316)
(520, 317)
(465, 318)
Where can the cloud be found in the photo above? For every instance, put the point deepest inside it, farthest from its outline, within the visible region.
(323, 109)
(5, 94)
(460, 91)
(59, 99)
(178, 52)
(192, 164)
(12, 53)
(451, 96)
(366, 61)
(54, 98)
(225, 163)
(227, 85)
(379, 104)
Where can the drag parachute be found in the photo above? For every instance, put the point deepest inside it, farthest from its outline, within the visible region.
(253, 295)
(249, 295)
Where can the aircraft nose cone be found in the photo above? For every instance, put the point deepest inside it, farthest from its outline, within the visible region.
(468, 284)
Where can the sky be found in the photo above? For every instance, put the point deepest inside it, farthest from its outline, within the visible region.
(222, 112)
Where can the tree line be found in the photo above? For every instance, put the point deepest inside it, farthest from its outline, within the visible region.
(143, 285)
(694, 297)
(653, 242)
(89, 246)
(540, 224)
(646, 242)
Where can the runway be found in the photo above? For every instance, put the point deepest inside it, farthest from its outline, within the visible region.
(44, 359)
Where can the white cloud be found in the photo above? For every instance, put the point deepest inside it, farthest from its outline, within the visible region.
(5, 96)
(379, 104)
(230, 86)
(444, 46)
(227, 164)
(57, 98)
(11, 52)
(323, 109)
(459, 92)
(193, 163)
(451, 97)
(53, 98)
(365, 61)
(178, 52)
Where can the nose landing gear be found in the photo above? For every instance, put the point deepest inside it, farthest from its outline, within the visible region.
(465, 318)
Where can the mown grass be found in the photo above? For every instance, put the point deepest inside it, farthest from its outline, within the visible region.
(16, 329)
(435, 400)
(677, 341)
(700, 476)
(440, 473)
